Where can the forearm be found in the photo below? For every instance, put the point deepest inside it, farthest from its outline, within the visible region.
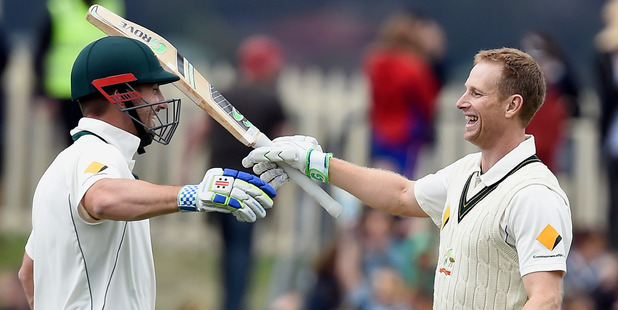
(550, 302)
(26, 278)
(122, 199)
(379, 189)
(544, 290)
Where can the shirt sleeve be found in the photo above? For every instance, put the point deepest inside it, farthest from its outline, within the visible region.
(431, 191)
(30, 245)
(539, 223)
(99, 162)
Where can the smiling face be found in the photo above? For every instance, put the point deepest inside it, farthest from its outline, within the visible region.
(483, 105)
(150, 93)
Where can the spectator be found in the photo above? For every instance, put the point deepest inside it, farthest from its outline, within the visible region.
(5, 50)
(549, 126)
(404, 89)
(593, 271)
(63, 31)
(260, 58)
(607, 70)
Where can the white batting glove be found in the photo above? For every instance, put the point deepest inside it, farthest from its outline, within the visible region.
(228, 191)
(301, 152)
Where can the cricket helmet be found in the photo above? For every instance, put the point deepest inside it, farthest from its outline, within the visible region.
(114, 55)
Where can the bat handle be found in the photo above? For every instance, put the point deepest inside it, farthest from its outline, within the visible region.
(309, 186)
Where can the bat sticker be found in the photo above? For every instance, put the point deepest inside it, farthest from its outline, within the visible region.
(229, 109)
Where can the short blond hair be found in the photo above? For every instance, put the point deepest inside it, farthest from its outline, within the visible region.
(521, 74)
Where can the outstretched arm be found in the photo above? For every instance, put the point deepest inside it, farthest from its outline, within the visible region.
(227, 191)
(380, 189)
(122, 199)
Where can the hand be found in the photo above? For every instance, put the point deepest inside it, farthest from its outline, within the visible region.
(301, 152)
(228, 191)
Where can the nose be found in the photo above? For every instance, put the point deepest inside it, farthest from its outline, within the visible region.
(161, 106)
(462, 103)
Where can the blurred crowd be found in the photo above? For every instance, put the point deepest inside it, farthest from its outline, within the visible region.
(384, 262)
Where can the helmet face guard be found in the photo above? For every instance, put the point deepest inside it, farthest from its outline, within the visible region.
(165, 120)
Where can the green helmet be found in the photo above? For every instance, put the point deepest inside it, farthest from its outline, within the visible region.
(111, 56)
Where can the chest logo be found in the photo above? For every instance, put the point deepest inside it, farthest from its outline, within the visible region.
(447, 262)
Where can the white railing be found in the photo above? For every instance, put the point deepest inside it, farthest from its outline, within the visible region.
(330, 105)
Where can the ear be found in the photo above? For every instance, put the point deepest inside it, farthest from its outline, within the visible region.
(120, 104)
(514, 105)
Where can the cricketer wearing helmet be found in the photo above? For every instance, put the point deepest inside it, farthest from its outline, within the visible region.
(90, 245)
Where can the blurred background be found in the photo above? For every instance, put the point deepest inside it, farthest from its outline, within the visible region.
(302, 258)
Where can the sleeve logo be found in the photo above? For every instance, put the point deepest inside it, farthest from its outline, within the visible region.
(95, 167)
(549, 237)
(446, 216)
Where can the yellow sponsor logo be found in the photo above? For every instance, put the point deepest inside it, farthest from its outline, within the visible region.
(549, 237)
(446, 216)
(95, 167)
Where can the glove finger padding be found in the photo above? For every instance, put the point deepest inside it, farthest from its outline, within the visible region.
(252, 197)
(271, 173)
(289, 149)
(282, 153)
(230, 191)
(262, 167)
(301, 152)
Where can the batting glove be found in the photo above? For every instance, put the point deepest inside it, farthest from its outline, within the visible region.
(228, 191)
(301, 152)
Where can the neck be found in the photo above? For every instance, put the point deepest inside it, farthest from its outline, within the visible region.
(492, 154)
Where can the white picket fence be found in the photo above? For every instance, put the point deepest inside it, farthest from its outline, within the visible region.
(330, 105)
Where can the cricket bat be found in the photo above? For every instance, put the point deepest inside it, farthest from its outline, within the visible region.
(200, 91)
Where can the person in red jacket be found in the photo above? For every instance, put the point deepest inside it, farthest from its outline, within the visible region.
(404, 89)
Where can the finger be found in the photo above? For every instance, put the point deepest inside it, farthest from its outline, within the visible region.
(260, 168)
(245, 215)
(273, 154)
(311, 140)
(251, 179)
(249, 202)
(263, 199)
(279, 181)
(269, 175)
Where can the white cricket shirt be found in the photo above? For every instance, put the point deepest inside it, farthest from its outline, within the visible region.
(525, 220)
(80, 265)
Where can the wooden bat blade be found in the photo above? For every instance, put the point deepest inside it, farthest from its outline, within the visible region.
(192, 83)
(200, 91)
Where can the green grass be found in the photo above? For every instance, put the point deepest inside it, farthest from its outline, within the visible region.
(11, 250)
(184, 277)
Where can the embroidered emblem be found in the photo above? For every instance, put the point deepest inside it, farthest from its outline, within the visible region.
(447, 263)
(549, 237)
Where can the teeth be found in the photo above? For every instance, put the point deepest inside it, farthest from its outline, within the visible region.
(470, 118)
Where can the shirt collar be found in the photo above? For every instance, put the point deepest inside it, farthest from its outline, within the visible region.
(513, 158)
(123, 140)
